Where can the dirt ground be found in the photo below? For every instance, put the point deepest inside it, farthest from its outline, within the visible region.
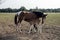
(8, 32)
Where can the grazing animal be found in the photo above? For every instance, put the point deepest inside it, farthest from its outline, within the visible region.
(31, 17)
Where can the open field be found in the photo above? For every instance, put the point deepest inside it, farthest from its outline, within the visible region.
(51, 29)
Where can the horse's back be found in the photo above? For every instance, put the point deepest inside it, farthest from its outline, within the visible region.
(39, 14)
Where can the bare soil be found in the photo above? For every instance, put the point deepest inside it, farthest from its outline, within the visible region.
(8, 32)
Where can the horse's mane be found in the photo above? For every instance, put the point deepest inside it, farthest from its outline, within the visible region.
(39, 14)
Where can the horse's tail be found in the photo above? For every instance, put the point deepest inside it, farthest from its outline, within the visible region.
(15, 19)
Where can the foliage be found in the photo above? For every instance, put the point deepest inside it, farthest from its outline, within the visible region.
(24, 9)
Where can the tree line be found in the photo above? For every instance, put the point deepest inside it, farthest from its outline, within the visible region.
(10, 10)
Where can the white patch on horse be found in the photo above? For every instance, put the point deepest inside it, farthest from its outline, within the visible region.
(19, 12)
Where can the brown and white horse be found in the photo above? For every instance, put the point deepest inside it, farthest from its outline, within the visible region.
(32, 17)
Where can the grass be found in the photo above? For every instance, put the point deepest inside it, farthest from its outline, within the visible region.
(53, 19)
(7, 18)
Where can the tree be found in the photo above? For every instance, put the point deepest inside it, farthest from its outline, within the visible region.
(22, 8)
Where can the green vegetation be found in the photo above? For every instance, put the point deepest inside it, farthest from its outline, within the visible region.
(53, 19)
(10, 10)
(6, 18)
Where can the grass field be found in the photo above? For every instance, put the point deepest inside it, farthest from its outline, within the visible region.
(51, 30)
(53, 19)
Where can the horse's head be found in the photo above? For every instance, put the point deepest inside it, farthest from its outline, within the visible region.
(44, 17)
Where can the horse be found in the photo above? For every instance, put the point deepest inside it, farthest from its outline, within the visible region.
(33, 18)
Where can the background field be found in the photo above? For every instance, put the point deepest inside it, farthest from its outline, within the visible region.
(51, 30)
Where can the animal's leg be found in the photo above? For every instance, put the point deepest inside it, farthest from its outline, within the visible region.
(31, 27)
(35, 27)
(19, 28)
(16, 28)
(39, 28)
(19, 24)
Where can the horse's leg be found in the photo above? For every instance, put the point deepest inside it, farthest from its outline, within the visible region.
(19, 25)
(43, 22)
(39, 26)
(35, 27)
(20, 18)
(31, 27)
